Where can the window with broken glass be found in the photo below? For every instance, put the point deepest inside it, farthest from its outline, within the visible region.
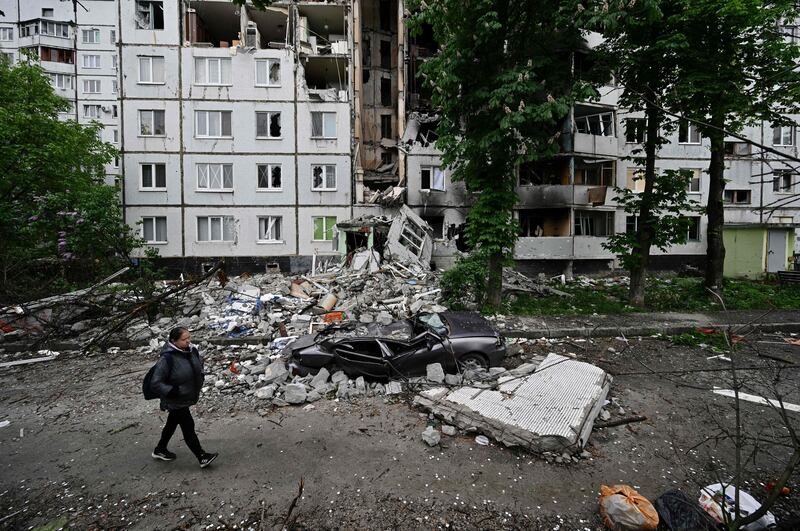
(269, 177)
(151, 123)
(214, 124)
(635, 130)
(386, 126)
(214, 177)
(323, 124)
(599, 223)
(323, 177)
(149, 14)
(268, 72)
(323, 227)
(269, 229)
(432, 178)
(693, 230)
(600, 124)
(594, 173)
(151, 69)
(153, 176)
(412, 237)
(736, 197)
(212, 71)
(216, 229)
(783, 181)
(268, 124)
(154, 229)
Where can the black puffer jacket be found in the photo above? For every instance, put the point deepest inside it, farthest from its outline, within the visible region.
(179, 385)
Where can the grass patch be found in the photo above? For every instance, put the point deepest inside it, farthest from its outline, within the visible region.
(716, 341)
(673, 294)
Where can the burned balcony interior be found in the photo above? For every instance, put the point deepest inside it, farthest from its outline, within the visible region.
(220, 24)
(422, 46)
(543, 222)
(323, 46)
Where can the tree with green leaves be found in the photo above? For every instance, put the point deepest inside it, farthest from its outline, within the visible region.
(737, 68)
(58, 219)
(642, 49)
(502, 83)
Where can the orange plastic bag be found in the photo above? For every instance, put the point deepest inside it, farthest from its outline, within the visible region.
(624, 509)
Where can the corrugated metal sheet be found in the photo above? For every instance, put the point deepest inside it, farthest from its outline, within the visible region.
(552, 408)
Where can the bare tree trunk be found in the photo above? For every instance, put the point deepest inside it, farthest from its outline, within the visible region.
(644, 232)
(715, 254)
(494, 284)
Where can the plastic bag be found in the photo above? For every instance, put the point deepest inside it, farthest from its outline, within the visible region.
(624, 509)
(678, 512)
(714, 500)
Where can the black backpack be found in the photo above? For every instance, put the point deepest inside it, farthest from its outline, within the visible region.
(147, 389)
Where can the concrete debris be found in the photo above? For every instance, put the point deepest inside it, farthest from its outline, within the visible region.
(448, 430)
(394, 388)
(295, 393)
(551, 409)
(431, 436)
(435, 373)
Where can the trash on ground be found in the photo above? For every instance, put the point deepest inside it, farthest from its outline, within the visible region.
(757, 399)
(720, 503)
(679, 512)
(624, 509)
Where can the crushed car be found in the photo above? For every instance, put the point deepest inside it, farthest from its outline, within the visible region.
(457, 340)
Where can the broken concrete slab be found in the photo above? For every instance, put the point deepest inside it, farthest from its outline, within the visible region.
(552, 409)
(394, 388)
(435, 373)
(276, 372)
(431, 436)
(295, 393)
(320, 379)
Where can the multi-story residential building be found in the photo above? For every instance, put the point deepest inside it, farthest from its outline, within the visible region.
(250, 134)
(76, 44)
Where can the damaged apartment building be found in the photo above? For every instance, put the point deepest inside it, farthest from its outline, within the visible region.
(260, 135)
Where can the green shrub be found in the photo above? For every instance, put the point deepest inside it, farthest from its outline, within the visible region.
(464, 285)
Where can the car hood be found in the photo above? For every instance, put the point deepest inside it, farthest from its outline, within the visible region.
(468, 324)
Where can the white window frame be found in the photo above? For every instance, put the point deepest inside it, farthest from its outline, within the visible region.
(325, 176)
(6, 33)
(151, 15)
(326, 117)
(269, 119)
(152, 112)
(203, 65)
(209, 222)
(691, 132)
(325, 228)
(270, 222)
(114, 62)
(780, 176)
(697, 176)
(94, 115)
(689, 239)
(153, 176)
(269, 188)
(733, 193)
(114, 86)
(204, 176)
(433, 169)
(55, 78)
(90, 36)
(208, 114)
(91, 86)
(267, 70)
(91, 61)
(150, 70)
(154, 221)
(115, 136)
(60, 29)
(784, 134)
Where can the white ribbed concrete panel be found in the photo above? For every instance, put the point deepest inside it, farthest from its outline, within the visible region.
(552, 409)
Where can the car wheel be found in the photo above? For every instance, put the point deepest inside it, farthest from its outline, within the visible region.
(473, 360)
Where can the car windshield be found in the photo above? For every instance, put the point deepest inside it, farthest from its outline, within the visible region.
(435, 322)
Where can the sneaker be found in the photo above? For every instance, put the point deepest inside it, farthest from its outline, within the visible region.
(207, 459)
(164, 455)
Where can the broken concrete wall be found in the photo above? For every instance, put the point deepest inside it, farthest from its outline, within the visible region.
(410, 238)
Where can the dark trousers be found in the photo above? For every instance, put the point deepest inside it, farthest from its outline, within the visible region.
(183, 418)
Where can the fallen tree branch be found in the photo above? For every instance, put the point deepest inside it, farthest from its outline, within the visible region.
(619, 422)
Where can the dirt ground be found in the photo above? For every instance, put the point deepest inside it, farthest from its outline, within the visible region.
(76, 453)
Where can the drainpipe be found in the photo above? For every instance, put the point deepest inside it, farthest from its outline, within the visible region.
(401, 90)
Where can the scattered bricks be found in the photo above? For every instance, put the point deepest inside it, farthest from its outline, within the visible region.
(431, 436)
(394, 388)
(295, 393)
(435, 373)
(449, 430)
(320, 379)
(276, 372)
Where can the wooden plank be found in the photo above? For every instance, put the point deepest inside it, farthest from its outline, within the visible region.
(25, 362)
